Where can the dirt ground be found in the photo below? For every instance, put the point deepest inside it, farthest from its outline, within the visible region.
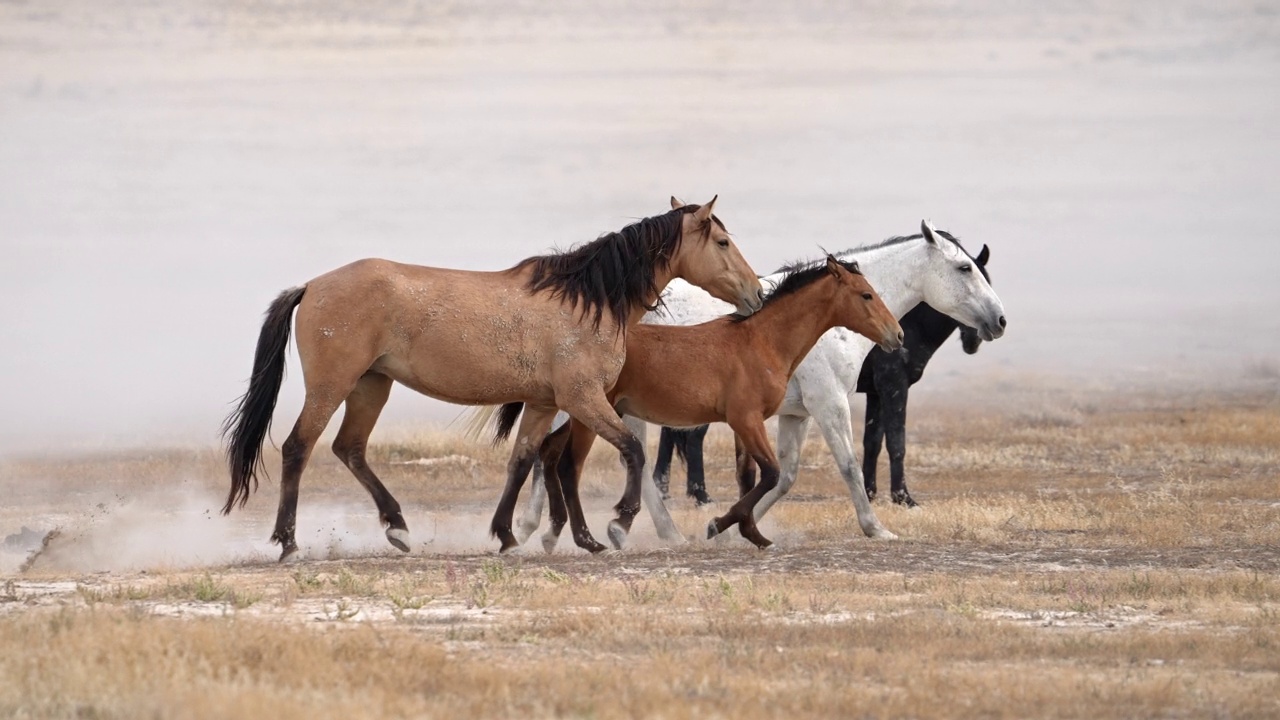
(1075, 555)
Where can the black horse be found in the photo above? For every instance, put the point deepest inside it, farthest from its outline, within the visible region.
(885, 379)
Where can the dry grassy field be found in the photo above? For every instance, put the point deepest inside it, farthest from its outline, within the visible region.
(1108, 553)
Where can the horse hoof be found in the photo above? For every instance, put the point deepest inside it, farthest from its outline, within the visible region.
(703, 501)
(712, 530)
(881, 534)
(549, 542)
(617, 535)
(595, 548)
(289, 551)
(399, 538)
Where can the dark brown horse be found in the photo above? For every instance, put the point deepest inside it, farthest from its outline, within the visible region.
(732, 370)
(549, 333)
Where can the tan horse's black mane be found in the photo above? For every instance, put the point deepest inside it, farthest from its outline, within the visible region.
(615, 272)
(798, 275)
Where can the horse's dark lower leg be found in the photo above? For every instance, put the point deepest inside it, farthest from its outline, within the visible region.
(295, 452)
(872, 435)
(753, 441)
(629, 506)
(529, 438)
(896, 440)
(745, 469)
(364, 405)
(697, 482)
(662, 465)
(555, 453)
(569, 472)
(742, 513)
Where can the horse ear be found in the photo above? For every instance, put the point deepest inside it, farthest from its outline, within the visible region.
(926, 229)
(675, 203)
(833, 265)
(983, 256)
(704, 212)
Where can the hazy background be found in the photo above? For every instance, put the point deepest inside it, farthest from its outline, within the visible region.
(167, 168)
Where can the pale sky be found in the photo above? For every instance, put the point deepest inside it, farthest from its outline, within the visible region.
(165, 171)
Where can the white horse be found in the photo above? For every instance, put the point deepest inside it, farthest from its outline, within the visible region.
(931, 267)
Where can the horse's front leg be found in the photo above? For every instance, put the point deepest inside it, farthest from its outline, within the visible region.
(872, 439)
(696, 482)
(753, 440)
(533, 429)
(896, 440)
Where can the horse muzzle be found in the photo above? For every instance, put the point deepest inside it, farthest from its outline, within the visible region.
(893, 340)
(992, 330)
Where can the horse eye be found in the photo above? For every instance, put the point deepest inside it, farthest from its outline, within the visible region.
(966, 268)
(866, 296)
(723, 243)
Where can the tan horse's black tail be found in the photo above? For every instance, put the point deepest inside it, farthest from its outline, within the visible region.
(507, 417)
(247, 426)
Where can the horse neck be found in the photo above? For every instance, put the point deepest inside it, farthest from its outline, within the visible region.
(791, 326)
(894, 271)
(926, 330)
(662, 276)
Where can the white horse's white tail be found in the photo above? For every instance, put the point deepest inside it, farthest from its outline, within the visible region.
(477, 421)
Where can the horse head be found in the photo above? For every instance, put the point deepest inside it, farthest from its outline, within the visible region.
(707, 257)
(956, 285)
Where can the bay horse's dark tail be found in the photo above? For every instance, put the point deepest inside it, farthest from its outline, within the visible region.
(507, 418)
(247, 426)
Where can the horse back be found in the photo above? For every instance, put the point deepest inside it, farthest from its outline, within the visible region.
(458, 335)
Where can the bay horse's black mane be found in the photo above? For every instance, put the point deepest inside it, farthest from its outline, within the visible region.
(798, 275)
(616, 271)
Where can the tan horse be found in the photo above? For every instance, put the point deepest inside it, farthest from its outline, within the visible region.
(732, 370)
(549, 332)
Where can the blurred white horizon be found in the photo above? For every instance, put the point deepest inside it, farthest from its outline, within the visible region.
(166, 169)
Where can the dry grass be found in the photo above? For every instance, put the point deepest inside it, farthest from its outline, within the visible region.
(1097, 556)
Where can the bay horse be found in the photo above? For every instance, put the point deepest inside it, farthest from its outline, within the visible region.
(931, 267)
(549, 332)
(731, 369)
(885, 379)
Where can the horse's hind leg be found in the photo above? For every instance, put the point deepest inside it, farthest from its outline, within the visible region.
(547, 488)
(834, 420)
(531, 518)
(598, 416)
(569, 472)
(364, 405)
(533, 429)
(792, 430)
(317, 409)
(650, 495)
(667, 440)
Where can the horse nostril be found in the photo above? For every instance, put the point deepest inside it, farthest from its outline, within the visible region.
(1002, 323)
(901, 337)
